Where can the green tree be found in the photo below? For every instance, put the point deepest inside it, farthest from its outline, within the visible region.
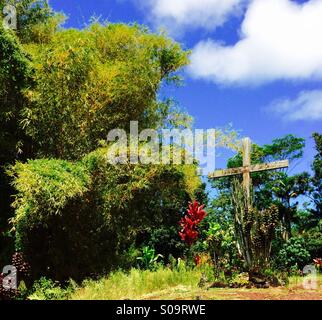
(310, 220)
(35, 22)
(293, 254)
(317, 178)
(94, 80)
(15, 78)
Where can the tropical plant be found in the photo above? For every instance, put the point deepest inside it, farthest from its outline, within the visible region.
(189, 223)
(149, 258)
(15, 77)
(254, 229)
(313, 240)
(221, 245)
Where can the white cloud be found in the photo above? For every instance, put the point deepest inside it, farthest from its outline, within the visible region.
(179, 15)
(279, 39)
(307, 106)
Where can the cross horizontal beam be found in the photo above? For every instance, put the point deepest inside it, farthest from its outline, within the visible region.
(253, 168)
(270, 166)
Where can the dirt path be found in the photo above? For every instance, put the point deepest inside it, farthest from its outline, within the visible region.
(274, 294)
(295, 292)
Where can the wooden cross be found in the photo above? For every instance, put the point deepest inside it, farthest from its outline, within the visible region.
(248, 168)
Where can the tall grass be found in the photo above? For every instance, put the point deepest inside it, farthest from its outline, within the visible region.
(164, 283)
(137, 283)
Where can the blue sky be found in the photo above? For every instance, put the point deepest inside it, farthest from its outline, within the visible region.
(266, 89)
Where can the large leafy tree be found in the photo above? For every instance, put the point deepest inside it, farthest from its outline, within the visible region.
(317, 178)
(310, 220)
(91, 81)
(15, 69)
(35, 22)
(15, 78)
(61, 92)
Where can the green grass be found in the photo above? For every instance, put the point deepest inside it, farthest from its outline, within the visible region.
(137, 284)
(180, 283)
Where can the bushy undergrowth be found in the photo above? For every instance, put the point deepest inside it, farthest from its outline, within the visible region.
(47, 289)
(75, 219)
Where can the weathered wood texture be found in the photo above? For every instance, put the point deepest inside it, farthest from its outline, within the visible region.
(253, 168)
(247, 168)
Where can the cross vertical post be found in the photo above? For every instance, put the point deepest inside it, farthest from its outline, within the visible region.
(247, 145)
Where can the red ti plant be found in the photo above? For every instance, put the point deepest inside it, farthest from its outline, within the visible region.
(190, 222)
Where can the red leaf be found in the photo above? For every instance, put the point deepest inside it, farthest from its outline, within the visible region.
(195, 214)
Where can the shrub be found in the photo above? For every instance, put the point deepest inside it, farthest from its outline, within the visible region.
(76, 219)
(221, 245)
(47, 289)
(293, 255)
(149, 259)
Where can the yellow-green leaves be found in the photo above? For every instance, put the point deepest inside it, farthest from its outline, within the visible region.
(46, 186)
(90, 81)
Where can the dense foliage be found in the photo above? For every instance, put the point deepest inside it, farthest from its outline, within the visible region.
(61, 92)
(76, 219)
(15, 75)
(94, 80)
(317, 178)
(66, 212)
(293, 255)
